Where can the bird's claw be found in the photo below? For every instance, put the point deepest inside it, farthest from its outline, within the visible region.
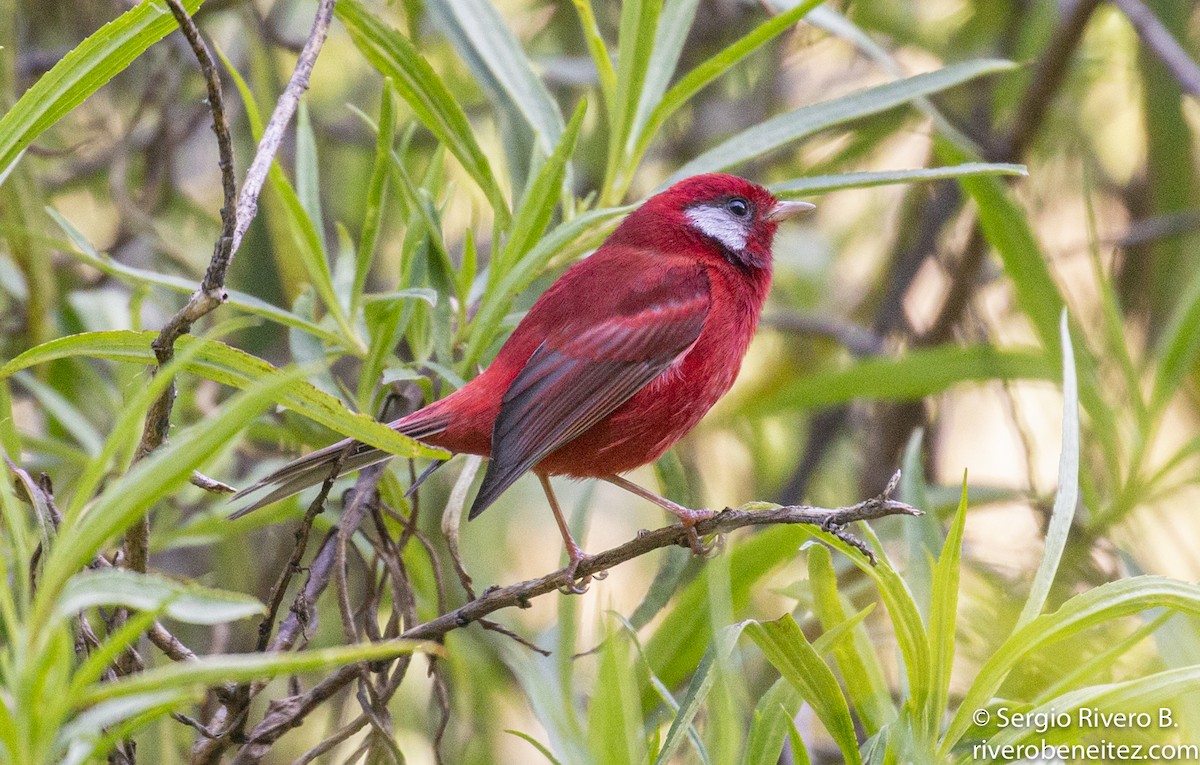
(688, 519)
(578, 586)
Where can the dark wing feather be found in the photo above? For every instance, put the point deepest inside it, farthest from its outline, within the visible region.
(586, 369)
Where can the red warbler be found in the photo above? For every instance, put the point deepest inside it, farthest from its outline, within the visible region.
(614, 363)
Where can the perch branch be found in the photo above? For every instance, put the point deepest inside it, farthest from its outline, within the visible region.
(284, 714)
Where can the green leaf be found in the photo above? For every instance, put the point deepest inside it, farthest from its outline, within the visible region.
(538, 745)
(1178, 347)
(863, 675)
(599, 52)
(635, 45)
(1063, 513)
(211, 670)
(789, 651)
(130, 496)
(807, 120)
(823, 184)
(80, 73)
(308, 180)
(674, 24)
(495, 56)
(89, 736)
(385, 137)
(769, 723)
(700, 77)
(1007, 229)
(916, 374)
(702, 682)
(302, 229)
(418, 84)
(615, 715)
(943, 617)
(540, 198)
(138, 277)
(228, 366)
(183, 601)
(1107, 602)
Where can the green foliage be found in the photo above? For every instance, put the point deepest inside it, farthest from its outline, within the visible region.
(401, 255)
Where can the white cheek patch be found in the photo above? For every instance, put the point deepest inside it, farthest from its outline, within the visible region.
(720, 224)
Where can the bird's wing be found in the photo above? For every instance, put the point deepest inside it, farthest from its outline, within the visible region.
(589, 365)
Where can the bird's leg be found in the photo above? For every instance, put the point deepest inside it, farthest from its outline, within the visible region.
(688, 518)
(575, 554)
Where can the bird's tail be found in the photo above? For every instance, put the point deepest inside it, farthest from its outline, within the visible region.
(345, 456)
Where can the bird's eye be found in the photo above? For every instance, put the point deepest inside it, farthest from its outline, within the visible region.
(738, 207)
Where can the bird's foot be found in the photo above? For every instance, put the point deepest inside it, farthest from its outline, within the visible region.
(688, 518)
(578, 585)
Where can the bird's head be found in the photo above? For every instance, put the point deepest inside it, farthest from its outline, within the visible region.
(722, 214)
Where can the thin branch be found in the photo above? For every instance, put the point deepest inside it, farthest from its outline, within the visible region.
(285, 108)
(285, 714)
(1163, 44)
(208, 297)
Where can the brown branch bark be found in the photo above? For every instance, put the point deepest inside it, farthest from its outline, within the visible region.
(285, 714)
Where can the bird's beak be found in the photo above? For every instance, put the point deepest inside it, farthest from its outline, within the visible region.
(785, 210)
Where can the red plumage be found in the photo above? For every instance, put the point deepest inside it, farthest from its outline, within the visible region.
(618, 359)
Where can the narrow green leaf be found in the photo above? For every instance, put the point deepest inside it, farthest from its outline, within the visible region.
(702, 682)
(614, 716)
(943, 617)
(540, 198)
(495, 56)
(63, 410)
(308, 177)
(769, 723)
(1107, 602)
(183, 601)
(130, 496)
(861, 671)
(138, 277)
(807, 120)
(419, 85)
(823, 184)
(916, 374)
(83, 739)
(789, 651)
(303, 231)
(599, 51)
(700, 77)
(1063, 513)
(1007, 229)
(1178, 347)
(538, 745)
(246, 667)
(82, 72)
(635, 45)
(228, 366)
(385, 138)
(674, 25)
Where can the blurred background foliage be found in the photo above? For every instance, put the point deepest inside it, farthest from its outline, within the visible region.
(915, 319)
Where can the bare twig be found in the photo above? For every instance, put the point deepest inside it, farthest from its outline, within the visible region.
(211, 292)
(1163, 44)
(285, 107)
(285, 714)
(234, 220)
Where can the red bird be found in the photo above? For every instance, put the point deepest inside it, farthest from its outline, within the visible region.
(617, 361)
